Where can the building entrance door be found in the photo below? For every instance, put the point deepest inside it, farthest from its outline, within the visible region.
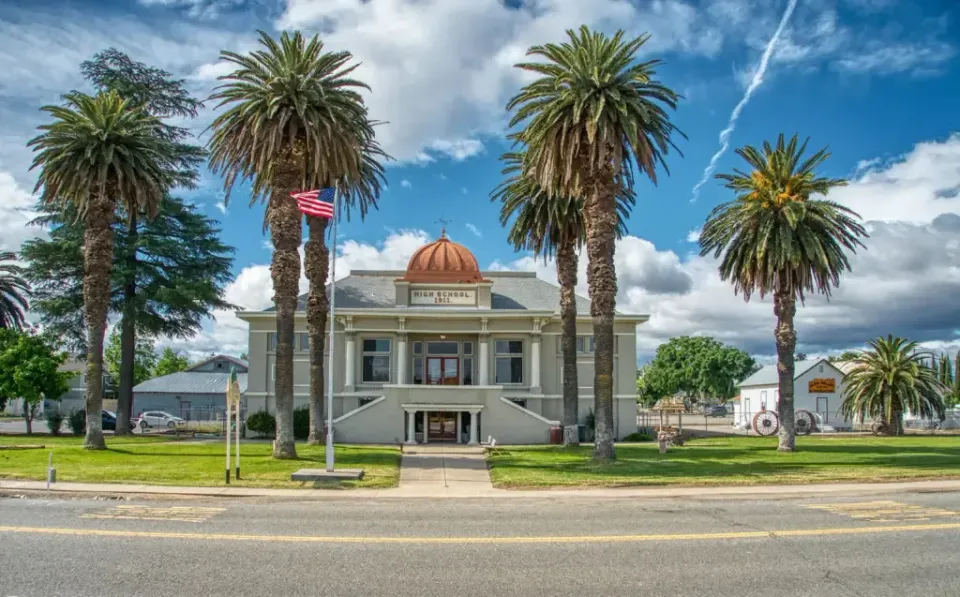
(443, 371)
(442, 427)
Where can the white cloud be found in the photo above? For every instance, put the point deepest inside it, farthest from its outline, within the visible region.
(694, 235)
(406, 183)
(222, 206)
(920, 58)
(16, 211)
(476, 231)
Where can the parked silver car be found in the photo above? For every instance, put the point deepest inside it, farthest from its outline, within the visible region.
(158, 418)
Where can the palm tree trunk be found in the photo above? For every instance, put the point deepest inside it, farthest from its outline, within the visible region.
(97, 263)
(128, 332)
(567, 277)
(600, 214)
(284, 219)
(785, 308)
(316, 266)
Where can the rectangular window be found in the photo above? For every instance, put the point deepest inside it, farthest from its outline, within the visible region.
(418, 371)
(509, 361)
(418, 348)
(468, 371)
(376, 360)
(305, 342)
(272, 341)
(443, 348)
(468, 348)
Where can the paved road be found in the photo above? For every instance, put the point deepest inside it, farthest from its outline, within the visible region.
(891, 546)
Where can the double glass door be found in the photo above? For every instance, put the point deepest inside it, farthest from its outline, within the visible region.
(443, 371)
(442, 426)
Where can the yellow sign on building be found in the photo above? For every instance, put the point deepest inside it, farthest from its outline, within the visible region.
(822, 385)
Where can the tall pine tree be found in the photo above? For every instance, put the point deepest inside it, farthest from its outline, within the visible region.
(168, 273)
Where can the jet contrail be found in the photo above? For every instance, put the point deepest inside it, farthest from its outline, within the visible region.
(754, 84)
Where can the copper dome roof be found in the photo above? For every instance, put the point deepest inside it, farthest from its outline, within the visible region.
(443, 261)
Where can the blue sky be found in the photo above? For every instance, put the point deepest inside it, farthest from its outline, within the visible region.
(875, 80)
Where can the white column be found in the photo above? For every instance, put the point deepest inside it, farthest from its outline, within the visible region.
(473, 427)
(402, 359)
(349, 362)
(411, 427)
(426, 426)
(535, 364)
(484, 360)
(459, 425)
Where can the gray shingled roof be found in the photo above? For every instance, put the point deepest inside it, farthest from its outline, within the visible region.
(768, 376)
(190, 382)
(511, 291)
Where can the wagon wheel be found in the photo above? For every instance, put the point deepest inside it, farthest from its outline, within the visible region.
(804, 422)
(766, 422)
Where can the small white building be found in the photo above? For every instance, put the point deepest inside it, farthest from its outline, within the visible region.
(817, 387)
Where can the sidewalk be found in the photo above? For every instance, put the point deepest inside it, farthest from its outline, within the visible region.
(444, 471)
(433, 491)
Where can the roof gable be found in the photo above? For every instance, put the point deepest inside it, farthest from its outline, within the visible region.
(768, 375)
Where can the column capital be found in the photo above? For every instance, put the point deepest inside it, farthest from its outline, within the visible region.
(401, 324)
(347, 322)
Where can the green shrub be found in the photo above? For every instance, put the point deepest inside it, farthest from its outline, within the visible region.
(262, 423)
(77, 422)
(636, 436)
(54, 421)
(301, 423)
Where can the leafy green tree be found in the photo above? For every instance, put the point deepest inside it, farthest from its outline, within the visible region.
(889, 380)
(698, 367)
(847, 355)
(29, 370)
(100, 154)
(180, 270)
(145, 356)
(775, 238)
(170, 361)
(295, 120)
(554, 227)
(593, 113)
(14, 291)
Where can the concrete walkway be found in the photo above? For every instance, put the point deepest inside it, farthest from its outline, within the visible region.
(443, 470)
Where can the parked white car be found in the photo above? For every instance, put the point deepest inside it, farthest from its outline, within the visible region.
(157, 418)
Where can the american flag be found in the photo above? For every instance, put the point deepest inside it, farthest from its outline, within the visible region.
(318, 202)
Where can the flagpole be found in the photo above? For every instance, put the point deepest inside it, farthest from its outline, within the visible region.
(329, 372)
(237, 432)
(226, 429)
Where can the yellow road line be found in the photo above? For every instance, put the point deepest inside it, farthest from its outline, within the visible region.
(482, 540)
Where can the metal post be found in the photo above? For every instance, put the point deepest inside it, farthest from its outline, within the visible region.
(226, 429)
(333, 298)
(237, 435)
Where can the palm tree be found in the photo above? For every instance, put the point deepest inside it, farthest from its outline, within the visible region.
(890, 379)
(14, 291)
(554, 227)
(593, 113)
(295, 121)
(358, 189)
(775, 239)
(100, 154)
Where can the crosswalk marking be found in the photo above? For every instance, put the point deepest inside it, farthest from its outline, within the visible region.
(173, 513)
(884, 511)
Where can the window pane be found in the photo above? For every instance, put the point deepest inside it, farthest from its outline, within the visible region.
(376, 369)
(509, 346)
(468, 348)
(376, 345)
(580, 343)
(468, 372)
(418, 371)
(442, 348)
(272, 341)
(509, 370)
(304, 341)
(418, 348)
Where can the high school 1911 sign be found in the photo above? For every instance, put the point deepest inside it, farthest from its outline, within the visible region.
(443, 297)
(822, 385)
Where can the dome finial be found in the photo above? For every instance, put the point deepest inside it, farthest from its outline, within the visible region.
(443, 226)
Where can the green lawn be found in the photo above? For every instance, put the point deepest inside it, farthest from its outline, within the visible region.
(732, 461)
(160, 461)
